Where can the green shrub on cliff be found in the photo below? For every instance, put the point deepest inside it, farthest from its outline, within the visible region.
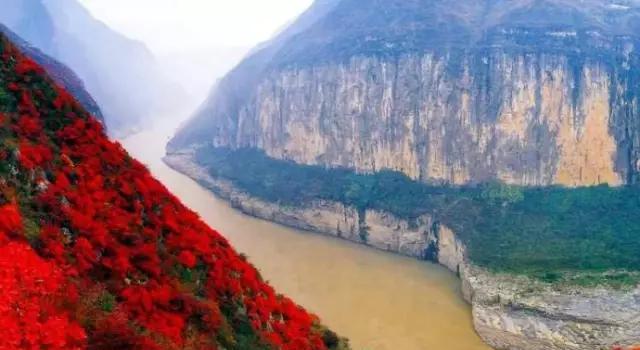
(537, 231)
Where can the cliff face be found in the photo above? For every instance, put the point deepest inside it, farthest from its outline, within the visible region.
(533, 123)
(531, 101)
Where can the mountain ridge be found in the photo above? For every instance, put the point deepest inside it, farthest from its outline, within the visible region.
(363, 52)
(87, 45)
(62, 74)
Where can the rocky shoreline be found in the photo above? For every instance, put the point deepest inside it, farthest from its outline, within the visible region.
(509, 312)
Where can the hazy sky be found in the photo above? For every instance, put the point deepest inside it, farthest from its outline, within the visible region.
(170, 25)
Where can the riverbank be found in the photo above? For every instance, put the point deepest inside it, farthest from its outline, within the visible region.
(509, 312)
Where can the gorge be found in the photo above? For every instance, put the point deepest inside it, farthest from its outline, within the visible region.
(499, 138)
(416, 174)
(349, 286)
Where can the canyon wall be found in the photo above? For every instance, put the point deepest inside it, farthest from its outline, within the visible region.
(523, 119)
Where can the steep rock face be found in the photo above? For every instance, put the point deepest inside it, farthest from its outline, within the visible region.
(538, 122)
(413, 115)
(510, 91)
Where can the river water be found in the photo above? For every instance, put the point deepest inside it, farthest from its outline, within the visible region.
(380, 301)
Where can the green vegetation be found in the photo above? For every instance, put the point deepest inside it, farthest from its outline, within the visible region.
(611, 279)
(107, 302)
(5, 98)
(533, 231)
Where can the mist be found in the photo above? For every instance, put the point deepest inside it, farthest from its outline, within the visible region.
(195, 42)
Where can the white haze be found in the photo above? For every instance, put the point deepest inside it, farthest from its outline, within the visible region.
(170, 25)
(197, 41)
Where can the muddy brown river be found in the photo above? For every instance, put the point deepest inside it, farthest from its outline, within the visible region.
(378, 300)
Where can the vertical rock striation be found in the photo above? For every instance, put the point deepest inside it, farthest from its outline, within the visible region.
(537, 122)
(526, 92)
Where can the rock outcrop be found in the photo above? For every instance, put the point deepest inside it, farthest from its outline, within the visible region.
(518, 313)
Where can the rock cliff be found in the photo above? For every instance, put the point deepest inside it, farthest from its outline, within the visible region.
(513, 91)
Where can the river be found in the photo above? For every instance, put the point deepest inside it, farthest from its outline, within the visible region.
(380, 301)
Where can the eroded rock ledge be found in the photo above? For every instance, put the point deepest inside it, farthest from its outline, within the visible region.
(509, 312)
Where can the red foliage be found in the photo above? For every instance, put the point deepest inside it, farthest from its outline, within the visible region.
(29, 126)
(187, 259)
(34, 155)
(107, 224)
(11, 223)
(26, 65)
(13, 87)
(31, 290)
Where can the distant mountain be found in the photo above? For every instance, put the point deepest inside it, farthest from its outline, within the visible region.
(238, 83)
(96, 254)
(120, 73)
(59, 72)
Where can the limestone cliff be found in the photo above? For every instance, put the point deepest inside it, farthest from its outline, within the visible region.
(413, 115)
(455, 92)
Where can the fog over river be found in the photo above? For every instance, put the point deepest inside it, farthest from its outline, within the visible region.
(378, 300)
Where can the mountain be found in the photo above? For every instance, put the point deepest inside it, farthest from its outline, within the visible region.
(247, 74)
(62, 75)
(526, 92)
(95, 253)
(500, 139)
(129, 86)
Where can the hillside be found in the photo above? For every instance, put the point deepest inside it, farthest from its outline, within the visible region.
(130, 87)
(95, 253)
(60, 73)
